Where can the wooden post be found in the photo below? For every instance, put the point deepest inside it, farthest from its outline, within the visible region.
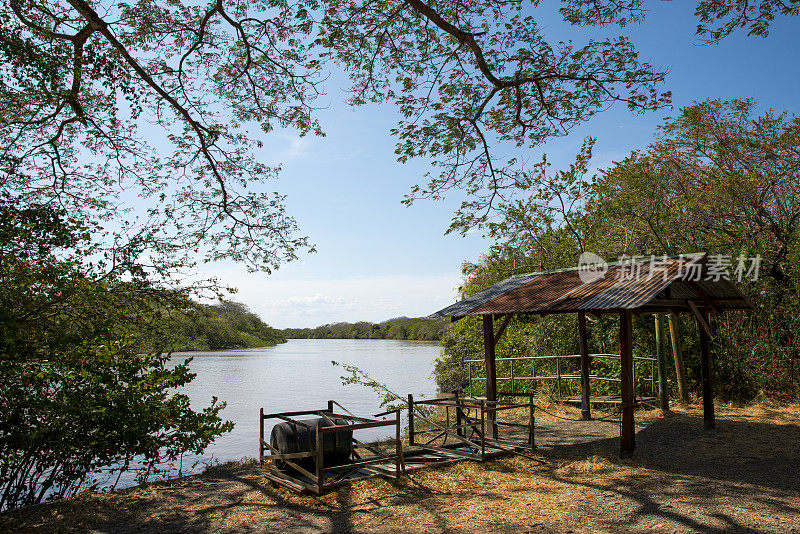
(705, 371)
(558, 376)
(261, 435)
(459, 430)
(330, 406)
(410, 419)
(398, 445)
(680, 368)
(586, 410)
(320, 453)
(531, 422)
(483, 431)
(627, 430)
(491, 371)
(661, 356)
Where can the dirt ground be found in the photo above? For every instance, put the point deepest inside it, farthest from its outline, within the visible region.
(742, 477)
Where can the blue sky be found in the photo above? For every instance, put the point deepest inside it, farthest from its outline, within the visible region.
(378, 259)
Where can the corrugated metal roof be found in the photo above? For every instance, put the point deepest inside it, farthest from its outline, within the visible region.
(465, 306)
(618, 289)
(624, 285)
(531, 296)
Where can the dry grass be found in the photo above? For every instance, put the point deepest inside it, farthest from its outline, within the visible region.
(742, 477)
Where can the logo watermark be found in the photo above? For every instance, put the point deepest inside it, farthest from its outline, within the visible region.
(718, 267)
(591, 267)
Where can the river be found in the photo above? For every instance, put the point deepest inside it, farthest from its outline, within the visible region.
(299, 375)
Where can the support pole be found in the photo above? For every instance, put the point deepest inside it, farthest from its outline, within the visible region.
(459, 430)
(661, 356)
(680, 368)
(558, 378)
(491, 371)
(261, 435)
(586, 410)
(627, 430)
(319, 459)
(705, 371)
(410, 419)
(483, 430)
(531, 423)
(398, 446)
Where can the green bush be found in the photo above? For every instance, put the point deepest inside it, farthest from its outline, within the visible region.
(79, 394)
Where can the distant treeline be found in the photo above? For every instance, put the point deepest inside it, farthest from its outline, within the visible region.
(226, 325)
(400, 328)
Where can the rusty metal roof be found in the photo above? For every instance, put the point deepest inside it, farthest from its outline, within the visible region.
(645, 284)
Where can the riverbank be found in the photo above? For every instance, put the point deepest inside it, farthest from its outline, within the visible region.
(225, 325)
(742, 477)
(401, 328)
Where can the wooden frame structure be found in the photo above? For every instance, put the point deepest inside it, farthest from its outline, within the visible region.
(674, 285)
(462, 437)
(323, 478)
(472, 418)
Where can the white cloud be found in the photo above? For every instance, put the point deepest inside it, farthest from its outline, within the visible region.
(316, 299)
(304, 302)
(289, 147)
(315, 302)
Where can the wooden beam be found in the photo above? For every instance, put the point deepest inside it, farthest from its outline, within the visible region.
(491, 370)
(701, 319)
(707, 300)
(586, 410)
(661, 356)
(502, 328)
(627, 430)
(682, 304)
(705, 371)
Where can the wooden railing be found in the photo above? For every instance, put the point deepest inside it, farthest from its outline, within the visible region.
(559, 376)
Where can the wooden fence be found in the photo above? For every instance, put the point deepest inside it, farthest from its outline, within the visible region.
(559, 376)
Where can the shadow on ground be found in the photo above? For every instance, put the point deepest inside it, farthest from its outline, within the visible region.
(742, 477)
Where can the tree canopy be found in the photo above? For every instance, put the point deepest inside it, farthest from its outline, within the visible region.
(81, 78)
(224, 325)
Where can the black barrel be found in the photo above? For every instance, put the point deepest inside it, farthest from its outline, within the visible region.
(337, 447)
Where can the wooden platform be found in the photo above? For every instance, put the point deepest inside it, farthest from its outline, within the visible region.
(415, 458)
